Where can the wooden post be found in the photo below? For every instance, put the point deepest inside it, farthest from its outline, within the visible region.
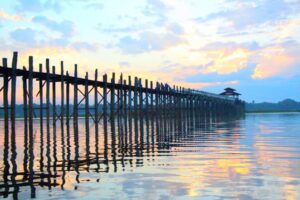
(53, 97)
(5, 96)
(129, 95)
(75, 109)
(13, 93)
(30, 92)
(87, 128)
(140, 87)
(157, 98)
(146, 95)
(86, 94)
(30, 101)
(25, 106)
(112, 95)
(152, 97)
(120, 95)
(135, 94)
(62, 106)
(125, 99)
(68, 100)
(48, 94)
(105, 95)
(96, 101)
(41, 98)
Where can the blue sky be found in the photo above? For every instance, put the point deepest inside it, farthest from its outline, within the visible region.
(253, 46)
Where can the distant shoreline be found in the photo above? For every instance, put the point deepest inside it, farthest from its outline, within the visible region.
(273, 111)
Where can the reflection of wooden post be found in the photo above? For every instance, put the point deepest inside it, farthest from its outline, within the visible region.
(68, 100)
(86, 94)
(25, 106)
(96, 101)
(62, 107)
(13, 92)
(30, 92)
(53, 97)
(5, 95)
(41, 98)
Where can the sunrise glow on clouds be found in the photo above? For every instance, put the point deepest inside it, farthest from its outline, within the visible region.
(253, 46)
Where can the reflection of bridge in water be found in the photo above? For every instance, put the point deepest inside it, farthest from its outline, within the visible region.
(46, 159)
(147, 119)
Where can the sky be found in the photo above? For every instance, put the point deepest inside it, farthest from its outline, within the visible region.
(252, 46)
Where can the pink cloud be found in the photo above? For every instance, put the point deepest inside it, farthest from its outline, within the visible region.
(277, 60)
(5, 16)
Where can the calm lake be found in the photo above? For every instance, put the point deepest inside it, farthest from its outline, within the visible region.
(150, 157)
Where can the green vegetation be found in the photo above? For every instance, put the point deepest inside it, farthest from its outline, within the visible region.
(287, 105)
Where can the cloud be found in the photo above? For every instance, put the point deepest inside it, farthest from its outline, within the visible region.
(38, 5)
(96, 6)
(149, 41)
(113, 29)
(66, 28)
(198, 85)
(5, 16)
(84, 46)
(245, 14)
(227, 57)
(278, 60)
(24, 36)
(124, 64)
(156, 9)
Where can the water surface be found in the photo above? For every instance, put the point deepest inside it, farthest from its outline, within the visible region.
(150, 157)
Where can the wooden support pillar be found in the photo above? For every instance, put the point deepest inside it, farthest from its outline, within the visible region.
(135, 98)
(112, 95)
(25, 103)
(5, 96)
(75, 106)
(140, 91)
(13, 93)
(53, 98)
(177, 97)
(157, 98)
(67, 100)
(62, 88)
(48, 94)
(30, 102)
(152, 97)
(164, 96)
(120, 95)
(125, 99)
(41, 98)
(30, 96)
(146, 95)
(96, 101)
(86, 94)
(105, 95)
(129, 95)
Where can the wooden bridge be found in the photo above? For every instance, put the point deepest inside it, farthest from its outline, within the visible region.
(165, 108)
(122, 97)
